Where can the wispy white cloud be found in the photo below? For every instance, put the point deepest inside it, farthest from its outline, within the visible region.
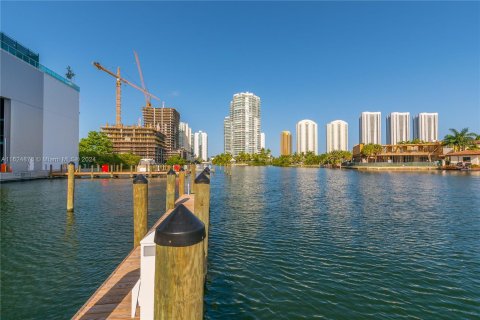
(175, 93)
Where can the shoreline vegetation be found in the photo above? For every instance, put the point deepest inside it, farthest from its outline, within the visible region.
(457, 140)
(97, 148)
(264, 158)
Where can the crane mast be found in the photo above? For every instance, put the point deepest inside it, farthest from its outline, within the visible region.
(118, 104)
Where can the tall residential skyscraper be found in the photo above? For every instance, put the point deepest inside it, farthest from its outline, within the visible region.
(425, 127)
(201, 145)
(307, 134)
(370, 127)
(398, 127)
(285, 143)
(185, 138)
(337, 136)
(227, 135)
(262, 140)
(243, 124)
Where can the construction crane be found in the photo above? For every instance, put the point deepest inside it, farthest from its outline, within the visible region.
(118, 118)
(139, 67)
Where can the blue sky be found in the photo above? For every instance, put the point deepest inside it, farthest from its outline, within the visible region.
(306, 60)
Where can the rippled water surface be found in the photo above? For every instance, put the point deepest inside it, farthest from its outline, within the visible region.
(284, 244)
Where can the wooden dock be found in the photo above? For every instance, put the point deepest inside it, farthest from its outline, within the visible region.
(113, 174)
(113, 299)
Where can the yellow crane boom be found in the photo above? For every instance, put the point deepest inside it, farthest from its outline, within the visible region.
(118, 118)
(139, 67)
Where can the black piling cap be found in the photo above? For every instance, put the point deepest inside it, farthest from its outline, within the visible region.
(140, 179)
(71, 162)
(202, 178)
(181, 169)
(180, 229)
(171, 171)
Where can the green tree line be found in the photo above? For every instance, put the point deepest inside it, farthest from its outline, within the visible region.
(97, 148)
(334, 158)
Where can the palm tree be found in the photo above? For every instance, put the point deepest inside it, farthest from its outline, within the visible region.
(371, 150)
(459, 140)
(296, 158)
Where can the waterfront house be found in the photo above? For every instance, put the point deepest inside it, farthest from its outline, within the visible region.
(466, 156)
(403, 153)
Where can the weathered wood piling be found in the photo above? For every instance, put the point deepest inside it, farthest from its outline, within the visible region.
(192, 178)
(179, 266)
(70, 186)
(181, 182)
(140, 208)
(202, 203)
(170, 203)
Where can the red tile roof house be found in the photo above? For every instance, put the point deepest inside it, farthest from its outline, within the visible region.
(466, 156)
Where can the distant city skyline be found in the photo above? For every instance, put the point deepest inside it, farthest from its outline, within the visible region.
(386, 56)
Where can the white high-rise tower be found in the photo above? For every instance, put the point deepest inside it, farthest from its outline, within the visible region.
(425, 127)
(242, 127)
(227, 135)
(398, 127)
(337, 136)
(307, 134)
(185, 137)
(370, 127)
(201, 145)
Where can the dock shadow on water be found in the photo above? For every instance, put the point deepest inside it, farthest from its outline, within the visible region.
(285, 243)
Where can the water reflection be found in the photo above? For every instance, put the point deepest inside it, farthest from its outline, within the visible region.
(70, 237)
(70, 224)
(285, 243)
(340, 244)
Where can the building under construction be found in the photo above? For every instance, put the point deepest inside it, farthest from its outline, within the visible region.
(147, 143)
(167, 121)
(158, 139)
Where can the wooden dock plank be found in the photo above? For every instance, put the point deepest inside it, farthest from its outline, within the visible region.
(112, 300)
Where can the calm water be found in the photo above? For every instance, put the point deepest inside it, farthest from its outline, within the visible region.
(284, 244)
